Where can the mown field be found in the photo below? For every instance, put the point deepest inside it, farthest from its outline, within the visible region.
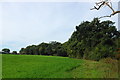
(37, 66)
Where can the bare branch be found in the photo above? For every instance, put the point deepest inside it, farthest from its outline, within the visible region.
(115, 12)
(100, 4)
(110, 15)
(104, 16)
(111, 4)
(110, 7)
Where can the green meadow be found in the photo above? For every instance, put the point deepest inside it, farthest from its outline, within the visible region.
(38, 66)
(0, 66)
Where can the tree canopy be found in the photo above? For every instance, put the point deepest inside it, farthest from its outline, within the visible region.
(93, 40)
(52, 48)
(6, 50)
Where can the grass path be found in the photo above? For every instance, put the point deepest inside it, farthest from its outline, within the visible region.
(37, 66)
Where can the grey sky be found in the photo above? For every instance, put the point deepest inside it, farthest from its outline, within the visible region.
(27, 23)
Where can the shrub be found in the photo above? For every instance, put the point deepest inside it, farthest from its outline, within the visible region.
(109, 61)
(117, 56)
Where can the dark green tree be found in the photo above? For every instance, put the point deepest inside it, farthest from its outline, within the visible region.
(14, 52)
(22, 51)
(6, 50)
(93, 40)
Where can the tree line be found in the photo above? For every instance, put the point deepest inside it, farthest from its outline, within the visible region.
(91, 40)
(53, 48)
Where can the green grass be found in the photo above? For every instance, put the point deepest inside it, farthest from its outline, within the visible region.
(0, 66)
(37, 66)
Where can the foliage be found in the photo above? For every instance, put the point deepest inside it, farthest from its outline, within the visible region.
(6, 50)
(109, 61)
(117, 56)
(52, 48)
(14, 52)
(93, 40)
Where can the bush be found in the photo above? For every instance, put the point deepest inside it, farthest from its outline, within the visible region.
(117, 56)
(109, 61)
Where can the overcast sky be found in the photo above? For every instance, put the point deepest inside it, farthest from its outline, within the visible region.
(27, 23)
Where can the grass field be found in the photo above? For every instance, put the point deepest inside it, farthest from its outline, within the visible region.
(37, 66)
(0, 66)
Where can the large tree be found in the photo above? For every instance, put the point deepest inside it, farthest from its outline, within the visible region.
(93, 40)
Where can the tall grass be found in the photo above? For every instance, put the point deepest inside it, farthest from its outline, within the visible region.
(112, 70)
